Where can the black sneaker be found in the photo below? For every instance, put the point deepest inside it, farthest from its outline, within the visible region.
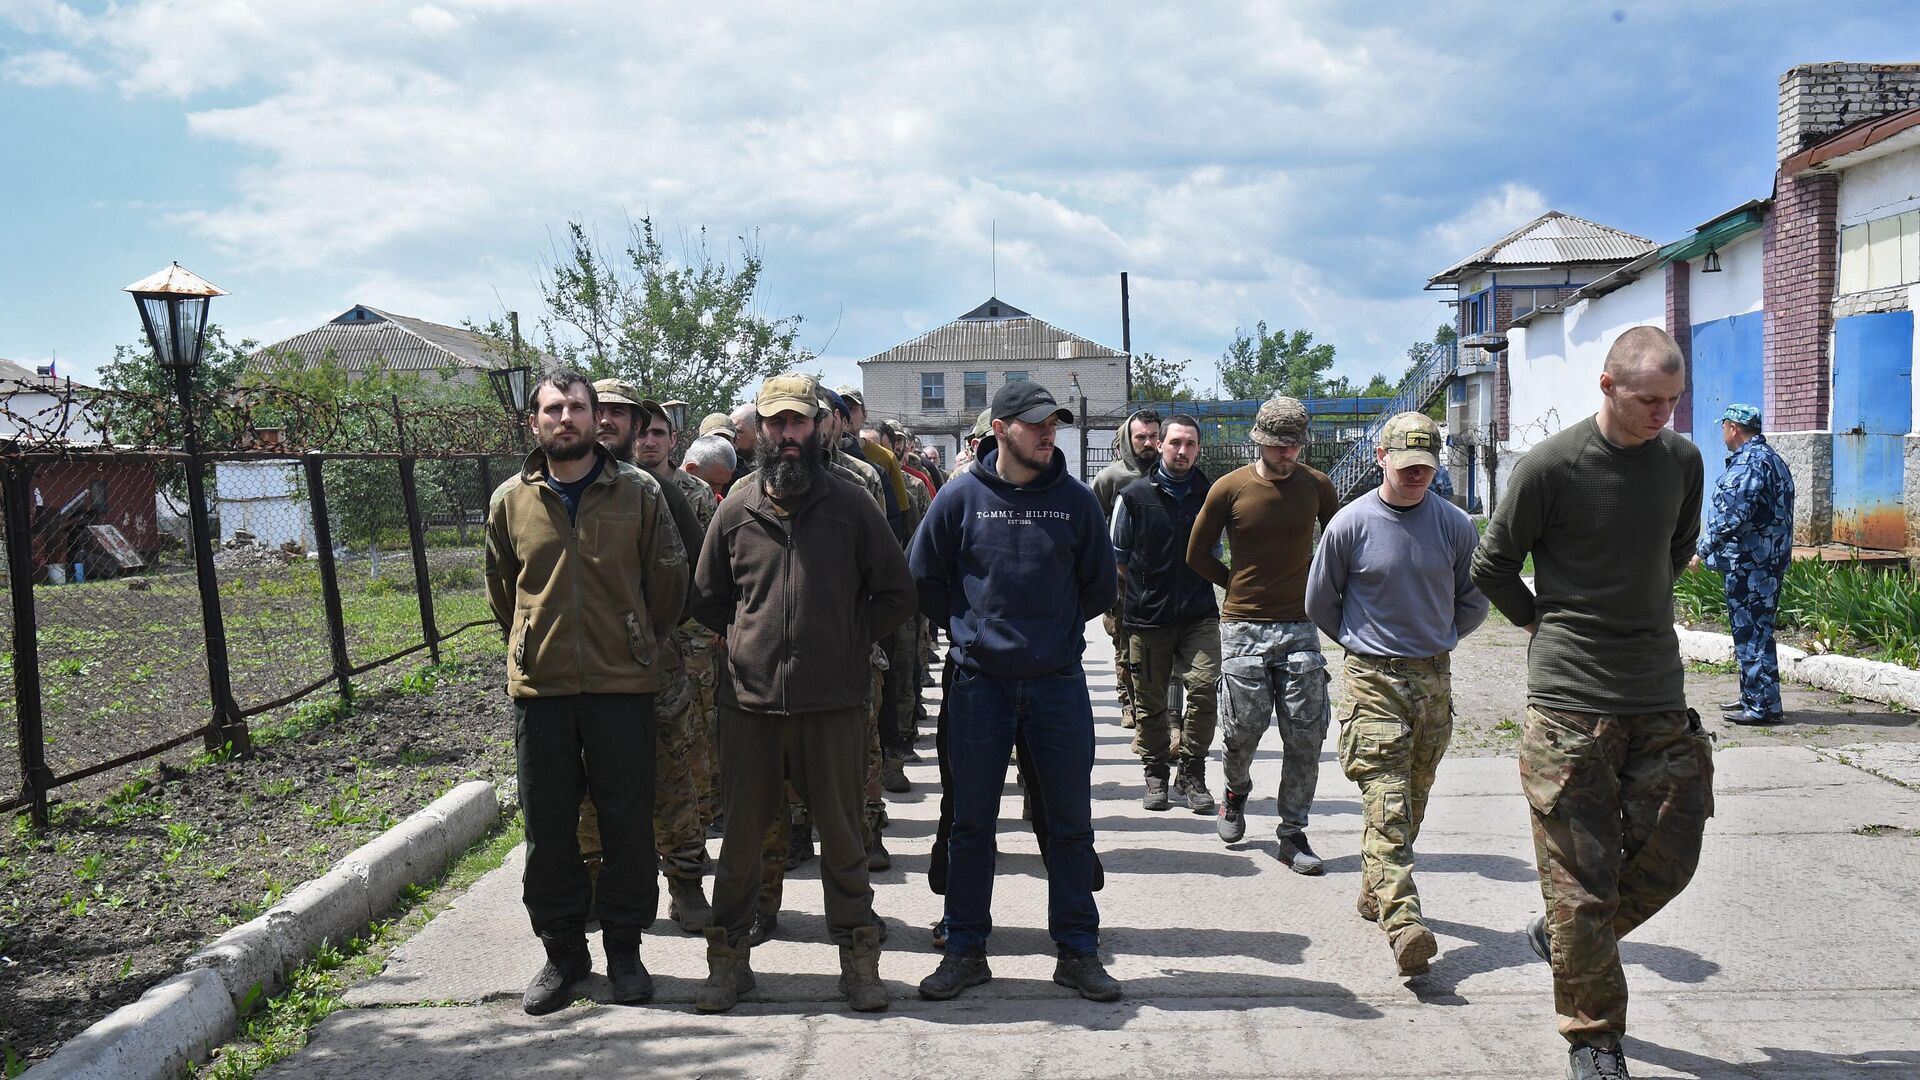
(1298, 855)
(956, 972)
(1596, 1063)
(765, 925)
(1084, 973)
(1232, 823)
(1736, 705)
(1537, 938)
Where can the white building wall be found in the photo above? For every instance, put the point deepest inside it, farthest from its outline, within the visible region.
(263, 498)
(892, 389)
(1877, 188)
(46, 416)
(1554, 362)
(1735, 290)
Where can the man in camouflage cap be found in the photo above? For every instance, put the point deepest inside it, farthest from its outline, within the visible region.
(624, 418)
(1270, 659)
(720, 422)
(1749, 539)
(1391, 583)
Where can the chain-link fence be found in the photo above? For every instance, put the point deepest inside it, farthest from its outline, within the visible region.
(323, 566)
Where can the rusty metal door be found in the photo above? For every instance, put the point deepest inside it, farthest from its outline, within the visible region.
(1872, 413)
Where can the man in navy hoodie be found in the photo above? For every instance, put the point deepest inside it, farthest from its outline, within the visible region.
(1013, 559)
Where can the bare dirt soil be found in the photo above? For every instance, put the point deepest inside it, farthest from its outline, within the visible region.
(134, 876)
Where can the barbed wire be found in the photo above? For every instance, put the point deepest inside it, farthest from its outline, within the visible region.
(269, 420)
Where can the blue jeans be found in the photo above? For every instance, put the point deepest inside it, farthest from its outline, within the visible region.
(1054, 718)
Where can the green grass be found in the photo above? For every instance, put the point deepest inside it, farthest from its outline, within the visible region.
(281, 1024)
(1844, 607)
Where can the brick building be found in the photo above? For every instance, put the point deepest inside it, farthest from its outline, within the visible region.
(1802, 303)
(938, 382)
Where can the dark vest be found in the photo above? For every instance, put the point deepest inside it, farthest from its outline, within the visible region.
(1162, 590)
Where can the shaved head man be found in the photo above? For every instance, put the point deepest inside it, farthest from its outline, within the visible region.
(1617, 770)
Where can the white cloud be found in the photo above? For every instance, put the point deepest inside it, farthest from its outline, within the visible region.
(1303, 164)
(48, 67)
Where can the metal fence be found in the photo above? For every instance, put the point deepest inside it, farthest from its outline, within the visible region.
(322, 565)
(1220, 458)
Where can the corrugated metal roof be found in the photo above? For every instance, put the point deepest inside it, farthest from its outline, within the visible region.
(1552, 239)
(21, 377)
(974, 337)
(362, 336)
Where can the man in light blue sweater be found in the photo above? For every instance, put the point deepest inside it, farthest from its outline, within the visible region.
(1391, 583)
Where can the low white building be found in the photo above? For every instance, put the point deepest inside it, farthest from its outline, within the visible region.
(937, 383)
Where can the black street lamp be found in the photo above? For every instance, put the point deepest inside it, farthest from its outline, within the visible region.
(173, 309)
(510, 386)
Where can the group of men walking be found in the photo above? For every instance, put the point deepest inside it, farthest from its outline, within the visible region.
(808, 579)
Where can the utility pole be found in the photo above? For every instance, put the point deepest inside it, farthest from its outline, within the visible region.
(1126, 337)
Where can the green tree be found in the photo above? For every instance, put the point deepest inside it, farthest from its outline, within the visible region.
(141, 409)
(1159, 379)
(690, 329)
(1276, 362)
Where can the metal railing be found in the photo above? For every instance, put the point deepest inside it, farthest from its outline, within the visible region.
(1355, 467)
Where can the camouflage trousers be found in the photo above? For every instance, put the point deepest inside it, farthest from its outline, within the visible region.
(1619, 805)
(698, 652)
(1269, 669)
(1753, 602)
(779, 838)
(1190, 653)
(898, 724)
(1116, 626)
(679, 834)
(1391, 741)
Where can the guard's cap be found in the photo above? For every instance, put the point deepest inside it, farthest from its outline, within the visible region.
(1412, 438)
(1745, 415)
(792, 392)
(1281, 421)
(1028, 401)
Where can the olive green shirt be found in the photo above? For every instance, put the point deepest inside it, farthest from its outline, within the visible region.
(1609, 529)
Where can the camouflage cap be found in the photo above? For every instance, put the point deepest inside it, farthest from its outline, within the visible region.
(620, 392)
(1282, 421)
(852, 394)
(1745, 415)
(1411, 438)
(982, 424)
(794, 391)
(718, 421)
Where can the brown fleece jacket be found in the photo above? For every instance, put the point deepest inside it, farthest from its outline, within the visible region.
(587, 605)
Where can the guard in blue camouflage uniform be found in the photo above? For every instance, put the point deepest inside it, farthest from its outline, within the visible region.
(1749, 539)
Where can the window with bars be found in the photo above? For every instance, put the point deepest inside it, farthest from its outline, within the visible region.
(976, 388)
(933, 391)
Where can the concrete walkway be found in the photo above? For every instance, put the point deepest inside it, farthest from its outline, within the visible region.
(1794, 954)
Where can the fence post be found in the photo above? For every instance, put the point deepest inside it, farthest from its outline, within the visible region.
(18, 481)
(329, 574)
(422, 578)
(486, 484)
(227, 727)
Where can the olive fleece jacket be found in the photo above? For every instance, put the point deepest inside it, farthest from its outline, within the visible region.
(587, 605)
(800, 597)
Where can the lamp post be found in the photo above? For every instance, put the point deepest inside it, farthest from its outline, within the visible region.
(676, 414)
(510, 386)
(173, 309)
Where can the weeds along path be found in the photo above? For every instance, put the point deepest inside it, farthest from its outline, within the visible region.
(136, 874)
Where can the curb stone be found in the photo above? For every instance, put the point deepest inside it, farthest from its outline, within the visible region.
(186, 1016)
(1869, 680)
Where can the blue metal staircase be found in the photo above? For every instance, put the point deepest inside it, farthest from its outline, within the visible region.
(1355, 468)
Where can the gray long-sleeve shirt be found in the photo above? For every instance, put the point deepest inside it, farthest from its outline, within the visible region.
(1396, 583)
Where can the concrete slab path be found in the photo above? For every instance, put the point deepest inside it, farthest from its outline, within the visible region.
(1793, 954)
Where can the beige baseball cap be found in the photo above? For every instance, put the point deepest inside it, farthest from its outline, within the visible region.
(620, 392)
(794, 391)
(1412, 438)
(718, 422)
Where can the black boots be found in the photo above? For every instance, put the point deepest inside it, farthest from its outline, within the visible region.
(567, 964)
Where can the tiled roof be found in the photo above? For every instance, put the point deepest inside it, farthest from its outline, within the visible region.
(362, 335)
(1011, 337)
(1552, 239)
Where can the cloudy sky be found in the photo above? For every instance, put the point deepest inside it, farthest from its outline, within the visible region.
(1309, 164)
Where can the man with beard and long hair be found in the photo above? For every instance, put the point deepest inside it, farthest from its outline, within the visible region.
(799, 576)
(1014, 559)
(587, 576)
(679, 831)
